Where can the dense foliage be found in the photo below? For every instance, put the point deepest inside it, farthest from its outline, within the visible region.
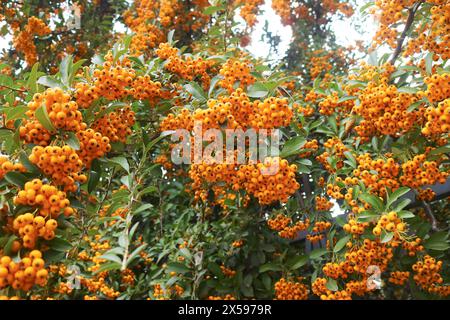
(92, 207)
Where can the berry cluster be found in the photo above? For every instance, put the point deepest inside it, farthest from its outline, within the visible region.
(399, 278)
(391, 223)
(24, 39)
(282, 223)
(418, 172)
(438, 87)
(235, 71)
(323, 204)
(115, 125)
(113, 78)
(287, 290)
(227, 272)
(63, 113)
(336, 148)
(30, 228)
(93, 145)
(377, 175)
(185, 67)
(61, 164)
(437, 120)
(25, 274)
(49, 200)
(8, 166)
(354, 227)
(249, 10)
(427, 276)
(385, 109)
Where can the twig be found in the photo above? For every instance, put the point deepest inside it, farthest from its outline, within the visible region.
(161, 213)
(430, 214)
(227, 11)
(409, 22)
(299, 198)
(11, 88)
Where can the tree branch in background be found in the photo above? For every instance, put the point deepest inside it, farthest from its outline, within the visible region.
(430, 215)
(409, 22)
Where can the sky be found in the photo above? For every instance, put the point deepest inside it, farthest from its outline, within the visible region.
(345, 31)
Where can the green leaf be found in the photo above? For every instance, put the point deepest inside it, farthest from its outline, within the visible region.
(332, 285)
(374, 201)
(437, 241)
(210, 10)
(152, 143)
(143, 208)
(122, 161)
(438, 246)
(215, 269)
(269, 267)
(366, 216)
(408, 90)
(333, 124)
(257, 90)
(347, 98)
(27, 163)
(7, 247)
(73, 141)
(42, 116)
(149, 189)
(170, 37)
(341, 243)
(114, 106)
(15, 112)
(94, 179)
(16, 178)
(401, 205)
(305, 162)
(396, 194)
(429, 63)
(50, 82)
(135, 253)
(196, 91)
(5, 134)
(386, 236)
(108, 267)
(77, 65)
(405, 214)
(292, 146)
(32, 83)
(65, 68)
(177, 267)
(316, 254)
(297, 262)
(373, 58)
(59, 244)
(213, 84)
(414, 106)
(111, 257)
(351, 158)
(441, 150)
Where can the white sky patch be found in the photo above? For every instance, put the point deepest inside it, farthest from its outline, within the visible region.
(345, 31)
(259, 48)
(336, 210)
(4, 40)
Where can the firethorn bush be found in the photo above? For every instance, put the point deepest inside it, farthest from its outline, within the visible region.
(92, 205)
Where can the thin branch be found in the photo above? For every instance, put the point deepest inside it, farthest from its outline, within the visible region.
(11, 88)
(226, 27)
(430, 214)
(409, 22)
